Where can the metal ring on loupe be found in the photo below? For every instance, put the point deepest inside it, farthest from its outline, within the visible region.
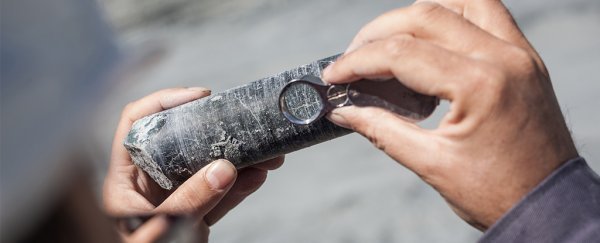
(338, 96)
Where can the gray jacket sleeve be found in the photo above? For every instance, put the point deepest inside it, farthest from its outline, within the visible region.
(565, 207)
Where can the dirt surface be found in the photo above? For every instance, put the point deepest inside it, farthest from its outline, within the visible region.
(343, 190)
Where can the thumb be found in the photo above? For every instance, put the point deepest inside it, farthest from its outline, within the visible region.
(201, 192)
(404, 141)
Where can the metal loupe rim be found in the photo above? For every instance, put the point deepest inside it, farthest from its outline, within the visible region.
(284, 108)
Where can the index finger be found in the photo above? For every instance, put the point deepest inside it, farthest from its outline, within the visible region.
(431, 22)
(491, 16)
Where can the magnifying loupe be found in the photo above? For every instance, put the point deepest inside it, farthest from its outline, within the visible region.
(305, 100)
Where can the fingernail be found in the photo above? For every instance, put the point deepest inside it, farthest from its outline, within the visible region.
(199, 89)
(337, 116)
(220, 174)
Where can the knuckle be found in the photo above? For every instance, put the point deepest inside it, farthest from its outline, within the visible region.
(488, 87)
(362, 36)
(392, 14)
(129, 108)
(341, 59)
(373, 132)
(522, 61)
(486, 78)
(426, 9)
(398, 45)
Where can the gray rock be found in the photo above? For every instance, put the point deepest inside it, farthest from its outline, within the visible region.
(243, 125)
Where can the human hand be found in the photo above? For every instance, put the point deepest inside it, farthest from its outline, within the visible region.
(208, 195)
(504, 132)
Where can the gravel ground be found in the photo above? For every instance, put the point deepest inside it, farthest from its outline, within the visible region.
(343, 190)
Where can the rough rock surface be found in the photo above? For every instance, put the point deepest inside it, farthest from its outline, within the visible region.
(243, 125)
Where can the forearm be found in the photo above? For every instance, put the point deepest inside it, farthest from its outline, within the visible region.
(565, 207)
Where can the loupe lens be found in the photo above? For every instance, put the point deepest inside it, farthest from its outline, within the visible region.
(301, 103)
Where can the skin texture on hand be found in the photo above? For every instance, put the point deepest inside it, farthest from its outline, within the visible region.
(207, 196)
(504, 132)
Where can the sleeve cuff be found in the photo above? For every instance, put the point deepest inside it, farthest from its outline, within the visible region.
(564, 207)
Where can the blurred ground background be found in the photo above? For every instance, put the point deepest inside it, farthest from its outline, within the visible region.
(343, 190)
